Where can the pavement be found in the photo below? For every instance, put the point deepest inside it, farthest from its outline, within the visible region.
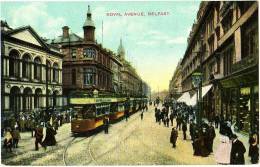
(132, 142)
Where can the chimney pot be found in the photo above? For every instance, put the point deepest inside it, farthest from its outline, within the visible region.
(65, 32)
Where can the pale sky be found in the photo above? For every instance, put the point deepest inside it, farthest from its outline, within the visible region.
(153, 44)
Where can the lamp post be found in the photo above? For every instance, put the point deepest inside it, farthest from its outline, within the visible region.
(196, 82)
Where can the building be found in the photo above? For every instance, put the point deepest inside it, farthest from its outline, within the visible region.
(175, 88)
(31, 74)
(131, 81)
(223, 45)
(87, 66)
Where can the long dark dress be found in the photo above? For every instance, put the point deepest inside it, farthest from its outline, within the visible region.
(50, 137)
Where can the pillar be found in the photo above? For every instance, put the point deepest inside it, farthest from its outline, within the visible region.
(237, 41)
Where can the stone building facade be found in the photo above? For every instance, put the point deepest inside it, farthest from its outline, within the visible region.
(175, 88)
(87, 66)
(31, 74)
(223, 45)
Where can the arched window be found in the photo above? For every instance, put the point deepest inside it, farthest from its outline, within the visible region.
(55, 72)
(27, 99)
(38, 98)
(37, 68)
(26, 65)
(14, 66)
(55, 98)
(15, 100)
(49, 98)
(48, 70)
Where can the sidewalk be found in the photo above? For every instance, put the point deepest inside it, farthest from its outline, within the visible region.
(183, 154)
(26, 147)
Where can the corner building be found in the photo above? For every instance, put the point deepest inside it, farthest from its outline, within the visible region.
(87, 66)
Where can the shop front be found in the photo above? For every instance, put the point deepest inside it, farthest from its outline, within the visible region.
(240, 102)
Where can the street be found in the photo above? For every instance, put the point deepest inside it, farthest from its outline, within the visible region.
(132, 142)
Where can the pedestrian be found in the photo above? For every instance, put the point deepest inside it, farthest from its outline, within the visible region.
(216, 119)
(50, 136)
(167, 121)
(253, 149)
(8, 140)
(142, 115)
(223, 151)
(16, 137)
(184, 129)
(237, 151)
(106, 125)
(174, 136)
(178, 120)
(211, 136)
(191, 128)
(38, 136)
(171, 118)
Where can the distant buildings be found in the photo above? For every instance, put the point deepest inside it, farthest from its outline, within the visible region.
(31, 74)
(224, 44)
(175, 88)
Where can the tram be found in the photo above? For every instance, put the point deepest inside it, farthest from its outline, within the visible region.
(89, 112)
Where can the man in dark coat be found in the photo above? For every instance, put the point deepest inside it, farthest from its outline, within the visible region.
(178, 120)
(174, 136)
(38, 136)
(216, 119)
(106, 125)
(237, 151)
(211, 136)
(184, 129)
(167, 121)
(171, 118)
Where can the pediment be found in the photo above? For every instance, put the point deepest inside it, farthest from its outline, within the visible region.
(27, 36)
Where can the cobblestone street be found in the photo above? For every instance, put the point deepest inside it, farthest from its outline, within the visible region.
(132, 142)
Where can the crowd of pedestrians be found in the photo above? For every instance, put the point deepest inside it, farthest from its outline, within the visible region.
(230, 150)
(51, 120)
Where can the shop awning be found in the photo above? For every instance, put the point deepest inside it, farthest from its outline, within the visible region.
(205, 89)
(193, 99)
(185, 97)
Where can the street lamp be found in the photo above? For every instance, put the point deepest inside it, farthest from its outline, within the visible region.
(196, 82)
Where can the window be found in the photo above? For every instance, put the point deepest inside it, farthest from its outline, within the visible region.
(37, 69)
(210, 24)
(227, 22)
(244, 6)
(89, 53)
(48, 64)
(38, 98)
(27, 99)
(14, 64)
(55, 72)
(26, 65)
(250, 39)
(74, 53)
(15, 99)
(218, 65)
(228, 55)
(73, 76)
(89, 76)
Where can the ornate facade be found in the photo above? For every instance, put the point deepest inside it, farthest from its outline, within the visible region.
(31, 73)
(223, 46)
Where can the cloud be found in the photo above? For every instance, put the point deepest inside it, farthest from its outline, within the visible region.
(35, 14)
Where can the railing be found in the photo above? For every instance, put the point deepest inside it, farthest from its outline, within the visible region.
(245, 63)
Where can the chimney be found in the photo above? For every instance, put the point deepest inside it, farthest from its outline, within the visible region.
(65, 32)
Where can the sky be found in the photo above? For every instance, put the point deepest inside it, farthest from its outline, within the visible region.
(153, 44)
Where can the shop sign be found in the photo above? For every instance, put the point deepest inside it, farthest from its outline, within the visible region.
(245, 91)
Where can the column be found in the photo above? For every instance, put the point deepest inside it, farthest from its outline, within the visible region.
(237, 40)
(32, 71)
